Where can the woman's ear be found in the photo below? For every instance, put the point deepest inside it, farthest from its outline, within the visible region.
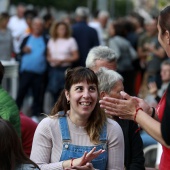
(67, 95)
(102, 94)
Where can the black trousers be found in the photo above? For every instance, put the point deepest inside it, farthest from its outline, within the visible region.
(34, 82)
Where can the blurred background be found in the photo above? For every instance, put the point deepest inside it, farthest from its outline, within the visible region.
(116, 8)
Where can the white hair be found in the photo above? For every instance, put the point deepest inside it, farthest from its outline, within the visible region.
(103, 14)
(82, 11)
(107, 79)
(100, 53)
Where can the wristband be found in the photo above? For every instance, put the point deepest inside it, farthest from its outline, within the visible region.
(137, 113)
(153, 112)
(72, 162)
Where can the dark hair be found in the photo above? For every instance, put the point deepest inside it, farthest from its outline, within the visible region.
(47, 17)
(164, 19)
(1, 72)
(11, 152)
(55, 26)
(30, 14)
(97, 118)
(138, 17)
(119, 27)
(4, 15)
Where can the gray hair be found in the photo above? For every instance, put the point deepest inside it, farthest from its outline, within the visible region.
(82, 12)
(103, 14)
(165, 62)
(107, 79)
(100, 53)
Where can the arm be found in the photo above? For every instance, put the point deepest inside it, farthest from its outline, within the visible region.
(42, 148)
(157, 51)
(23, 45)
(113, 45)
(151, 126)
(133, 53)
(115, 146)
(74, 57)
(127, 108)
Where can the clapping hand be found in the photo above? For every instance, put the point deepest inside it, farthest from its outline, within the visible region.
(88, 157)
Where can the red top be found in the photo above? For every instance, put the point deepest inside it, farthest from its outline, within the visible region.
(165, 158)
(28, 127)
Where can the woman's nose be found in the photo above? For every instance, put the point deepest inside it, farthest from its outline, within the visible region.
(86, 94)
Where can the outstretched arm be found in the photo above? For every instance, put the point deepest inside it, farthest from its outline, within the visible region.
(127, 109)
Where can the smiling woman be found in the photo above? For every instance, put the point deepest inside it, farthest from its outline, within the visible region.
(77, 131)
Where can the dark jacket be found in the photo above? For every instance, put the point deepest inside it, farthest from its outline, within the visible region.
(86, 38)
(134, 157)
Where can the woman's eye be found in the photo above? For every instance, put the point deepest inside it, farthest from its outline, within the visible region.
(79, 88)
(92, 89)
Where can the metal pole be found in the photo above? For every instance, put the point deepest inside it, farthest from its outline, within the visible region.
(102, 5)
(112, 8)
(89, 5)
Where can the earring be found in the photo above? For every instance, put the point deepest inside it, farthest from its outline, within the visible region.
(68, 102)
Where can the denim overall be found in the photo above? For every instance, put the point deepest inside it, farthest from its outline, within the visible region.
(74, 151)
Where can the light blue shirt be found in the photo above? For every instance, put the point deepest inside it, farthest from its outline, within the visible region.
(35, 61)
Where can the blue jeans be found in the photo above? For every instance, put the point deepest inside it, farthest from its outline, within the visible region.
(74, 151)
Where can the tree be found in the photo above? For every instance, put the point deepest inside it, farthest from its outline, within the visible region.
(68, 5)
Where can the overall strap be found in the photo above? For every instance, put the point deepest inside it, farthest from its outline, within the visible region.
(64, 127)
(103, 134)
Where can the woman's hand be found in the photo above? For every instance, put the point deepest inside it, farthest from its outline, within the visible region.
(87, 157)
(141, 103)
(125, 109)
(88, 166)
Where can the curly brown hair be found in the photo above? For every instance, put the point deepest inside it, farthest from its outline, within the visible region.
(55, 26)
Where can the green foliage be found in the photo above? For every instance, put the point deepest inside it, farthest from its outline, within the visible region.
(122, 7)
(67, 5)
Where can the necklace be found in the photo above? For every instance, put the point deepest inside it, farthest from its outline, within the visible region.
(73, 121)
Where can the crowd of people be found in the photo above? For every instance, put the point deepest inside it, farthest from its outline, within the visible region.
(92, 68)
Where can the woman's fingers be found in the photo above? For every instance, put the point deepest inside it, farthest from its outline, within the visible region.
(125, 95)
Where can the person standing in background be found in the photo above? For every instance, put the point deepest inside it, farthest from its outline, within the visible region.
(97, 26)
(6, 46)
(33, 67)
(62, 52)
(85, 36)
(103, 17)
(18, 25)
(126, 54)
